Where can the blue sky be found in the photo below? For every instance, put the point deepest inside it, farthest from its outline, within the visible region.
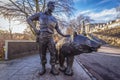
(99, 10)
(98, 5)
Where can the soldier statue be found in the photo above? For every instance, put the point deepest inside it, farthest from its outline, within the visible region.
(47, 25)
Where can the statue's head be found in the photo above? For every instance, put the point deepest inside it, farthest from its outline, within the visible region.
(86, 44)
(51, 5)
(77, 44)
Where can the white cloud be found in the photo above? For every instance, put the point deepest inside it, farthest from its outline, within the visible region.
(85, 12)
(4, 23)
(80, 12)
(16, 26)
(103, 1)
(103, 16)
(80, 1)
(4, 1)
(76, 0)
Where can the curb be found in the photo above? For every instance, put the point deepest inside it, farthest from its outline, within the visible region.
(89, 74)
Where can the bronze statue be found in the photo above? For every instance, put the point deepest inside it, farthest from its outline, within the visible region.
(69, 47)
(47, 25)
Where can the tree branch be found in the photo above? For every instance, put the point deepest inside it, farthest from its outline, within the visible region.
(18, 7)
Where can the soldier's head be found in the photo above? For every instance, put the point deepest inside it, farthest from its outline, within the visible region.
(51, 5)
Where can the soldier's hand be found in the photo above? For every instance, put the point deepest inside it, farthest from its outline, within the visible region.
(67, 35)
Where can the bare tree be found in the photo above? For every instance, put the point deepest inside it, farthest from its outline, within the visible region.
(77, 23)
(10, 28)
(73, 24)
(84, 18)
(21, 9)
(29, 34)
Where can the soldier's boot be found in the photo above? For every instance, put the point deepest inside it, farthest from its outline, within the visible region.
(42, 70)
(62, 68)
(54, 71)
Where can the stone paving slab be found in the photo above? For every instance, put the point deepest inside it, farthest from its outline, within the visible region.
(27, 68)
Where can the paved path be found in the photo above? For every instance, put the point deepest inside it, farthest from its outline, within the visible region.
(27, 68)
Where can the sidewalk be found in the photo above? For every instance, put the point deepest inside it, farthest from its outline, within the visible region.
(110, 49)
(27, 68)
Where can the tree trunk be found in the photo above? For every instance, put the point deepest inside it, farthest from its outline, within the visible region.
(10, 29)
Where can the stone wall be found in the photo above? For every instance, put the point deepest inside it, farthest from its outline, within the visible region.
(115, 41)
(14, 49)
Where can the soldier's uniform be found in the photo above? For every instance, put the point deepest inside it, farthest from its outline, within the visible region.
(47, 25)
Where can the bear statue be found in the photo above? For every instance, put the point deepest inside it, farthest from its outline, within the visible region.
(68, 47)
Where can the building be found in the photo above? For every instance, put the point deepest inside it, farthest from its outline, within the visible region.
(93, 27)
(114, 23)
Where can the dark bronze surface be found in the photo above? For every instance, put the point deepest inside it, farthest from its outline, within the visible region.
(71, 47)
(45, 35)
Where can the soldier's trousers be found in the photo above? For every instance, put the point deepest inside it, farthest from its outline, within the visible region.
(46, 42)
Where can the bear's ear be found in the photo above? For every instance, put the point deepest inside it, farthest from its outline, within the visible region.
(75, 34)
